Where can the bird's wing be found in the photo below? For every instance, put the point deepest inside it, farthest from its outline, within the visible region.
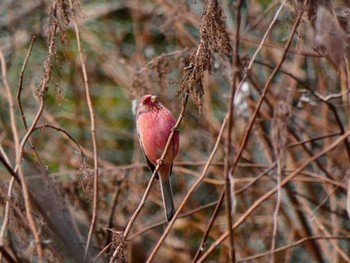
(149, 164)
(171, 169)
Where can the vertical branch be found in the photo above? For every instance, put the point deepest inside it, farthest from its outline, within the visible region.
(19, 92)
(93, 129)
(228, 162)
(7, 206)
(281, 113)
(19, 151)
(236, 90)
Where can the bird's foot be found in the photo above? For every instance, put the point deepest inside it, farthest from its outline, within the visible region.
(175, 130)
(160, 162)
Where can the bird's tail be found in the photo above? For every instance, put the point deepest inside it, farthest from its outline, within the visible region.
(167, 194)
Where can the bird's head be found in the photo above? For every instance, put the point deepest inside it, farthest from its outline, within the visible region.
(149, 103)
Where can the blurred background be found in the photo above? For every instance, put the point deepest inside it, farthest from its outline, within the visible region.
(132, 48)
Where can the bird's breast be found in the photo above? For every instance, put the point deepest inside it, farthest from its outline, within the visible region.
(154, 128)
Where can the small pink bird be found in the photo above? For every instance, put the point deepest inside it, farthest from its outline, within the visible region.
(154, 124)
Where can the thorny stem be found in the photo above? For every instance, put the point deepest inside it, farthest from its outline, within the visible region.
(93, 130)
(143, 200)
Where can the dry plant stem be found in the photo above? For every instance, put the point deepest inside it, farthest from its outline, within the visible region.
(264, 38)
(262, 199)
(143, 200)
(7, 207)
(19, 92)
(277, 208)
(102, 252)
(217, 209)
(267, 85)
(112, 211)
(142, 231)
(19, 151)
(318, 224)
(190, 192)
(93, 129)
(136, 213)
(314, 139)
(209, 226)
(228, 162)
(297, 243)
(60, 130)
(7, 255)
(20, 148)
(231, 100)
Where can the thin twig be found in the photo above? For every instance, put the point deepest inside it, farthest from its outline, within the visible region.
(39, 127)
(93, 129)
(262, 199)
(8, 200)
(112, 210)
(19, 92)
(209, 226)
(297, 243)
(277, 209)
(228, 162)
(265, 89)
(317, 138)
(198, 209)
(217, 209)
(18, 151)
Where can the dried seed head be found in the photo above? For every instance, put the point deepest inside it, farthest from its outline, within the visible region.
(213, 28)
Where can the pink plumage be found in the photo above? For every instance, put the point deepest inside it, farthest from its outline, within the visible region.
(154, 124)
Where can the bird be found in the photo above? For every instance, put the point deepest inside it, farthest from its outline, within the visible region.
(154, 123)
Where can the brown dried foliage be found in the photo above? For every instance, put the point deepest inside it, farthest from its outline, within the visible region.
(285, 130)
(213, 28)
(213, 38)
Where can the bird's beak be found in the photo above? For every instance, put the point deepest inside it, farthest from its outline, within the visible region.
(154, 99)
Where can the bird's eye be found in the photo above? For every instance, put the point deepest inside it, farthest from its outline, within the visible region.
(144, 102)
